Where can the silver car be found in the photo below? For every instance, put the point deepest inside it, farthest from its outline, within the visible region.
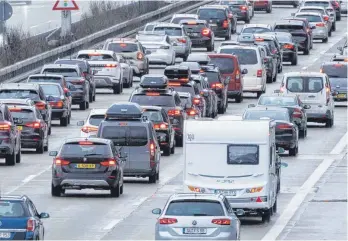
(325, 14)
(178, 17)
(321, 30)
(332, 14)
(197, 216)
(179, 39)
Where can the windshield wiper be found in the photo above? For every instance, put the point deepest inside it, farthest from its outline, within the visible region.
(94, 154)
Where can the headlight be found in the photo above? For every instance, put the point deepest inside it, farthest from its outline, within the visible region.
(254, 190)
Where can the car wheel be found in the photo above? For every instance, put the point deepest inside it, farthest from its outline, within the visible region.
(292, 151)
(19, 155)
(10, 159)
(172, 150)
(295, 5)
(280, 68)
(83, 105)
(56, 191)
(258, 94)
(49, 130)
(166, 151)
(157, 176)
(117, 89)
(121, 189)
(330, 33)
(239, 98)
(294, 61)
(325, 40)
(338, 17)
(329, 123)
(126, 84)
(211, 47)
(247, 20)
(64, 121)
(115, 191)
(303, 133)
(306, 51)
(269, 9)
(275, 77)
(269, 79)
(266, 216)
(94, 95)
(152, 178)
(40, 149)
(179, 142)
(90, 97)
(87, 105)
(334, 27)
(46, 146)
(274, 207)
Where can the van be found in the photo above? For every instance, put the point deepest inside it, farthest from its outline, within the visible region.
(314, 89)
(135, 138)
(240, 161)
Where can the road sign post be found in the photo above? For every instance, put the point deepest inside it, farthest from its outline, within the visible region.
(66, 6)
(6, 12)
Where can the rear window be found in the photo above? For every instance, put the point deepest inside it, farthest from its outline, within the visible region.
(305, 84)
(245, 56)
(271, 44)
(126, 136)
(185, 100)
(288, 27)
(194, 66)
(234, 2)
(19, 94)
(149, 27)
(23, 114)
(161, 100)
(277, 101)
(213, 77)
(44, 80)
(256, 30)
(259, 114)
(64, 72)
(195, 208)
(82, 65)
(93, 149)
(123, 47)
(284, 38)
(242, 154)
(317, 4)
(207, 14)
(313, 10)
(170, 31)
(186, 89)
(51, 90)
(226, 65)
(178, 19)
(153, 115)
(336, 70)
(12, 209)
(96, 119)
(194, 28)
(311, 18)
(100, 57)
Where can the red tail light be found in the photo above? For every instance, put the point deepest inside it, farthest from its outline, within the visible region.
(243, 8)
(284, 126)
(140, 56)
(288, 46)
(191, 112)
(174, 112)
(206, 32)
(320, 24)
(217, 86)
(66, 90)
(168, 220)
(35, 125)
(162, 126)
(297, 113)
(222, 221)
(225, 24)
(57, 104)
(196, 101)
(259, 73)
(30, 225)
(328, 91)
(88, 129)
(182, 40)
(60, 162)
(326, 18)
(41, 105)
(237, 76)
(79, 81)
(5, 126)
(152, 148)
(335, 4)
(109, 163)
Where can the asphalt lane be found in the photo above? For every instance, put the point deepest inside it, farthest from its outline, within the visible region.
(93, 215)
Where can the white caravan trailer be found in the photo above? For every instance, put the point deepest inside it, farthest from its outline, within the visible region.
(235, 157)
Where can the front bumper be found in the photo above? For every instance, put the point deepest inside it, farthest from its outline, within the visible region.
(59, 113)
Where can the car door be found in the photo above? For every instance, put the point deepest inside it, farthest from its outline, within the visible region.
(273, 177)
(43, 123)
(171, 130)
(14, 132)
(38, 222)
(139, 148)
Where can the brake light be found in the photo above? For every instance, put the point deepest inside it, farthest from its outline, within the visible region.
(288, 46)
(182, 40)
(152, 94)
(109, 163)
(60, 162)
(40, 105)
(30, 225)
(174, 112)
(191, 112)
(326, 18)
(174, 84)
(88, 129)
(217, 86)
(86, 143)
(140, 56)
(225, 24)
(338, 65)
(243, 8)
(162, 126)
(35, 125)
(259, 40)
(222, 221)
(297, 113)
(5, 126)
(320, 24)
(152, 151)
(15, 109)
(206, 32)
(168, 220)
(66, 90)
(284, 126)
(259, 73)
(196, 101)
(57, 104)
(110, 65)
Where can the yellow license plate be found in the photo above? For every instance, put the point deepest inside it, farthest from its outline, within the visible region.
(341, 96)
(85, 166)
(19, 128)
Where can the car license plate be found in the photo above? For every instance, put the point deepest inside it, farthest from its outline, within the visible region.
(19, 128)
(213, 25)
(85, 166)
(5, 235)
(193, 34)
(226, 192)
(195, 230)
(341, 96)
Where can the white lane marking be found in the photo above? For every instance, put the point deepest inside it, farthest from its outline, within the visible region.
(112, 224)
(28, 178)
(140, 201)
(305, 189)
(304, 68)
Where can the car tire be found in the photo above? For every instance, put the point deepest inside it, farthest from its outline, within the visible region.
(330, 33)
(247, 20)
(210, 48)
(49, 130)
(117, 89)
(269, 79)
(157, 176)
(329, 123)
(334, 27)
(179, 142)
(152, 178)
(293, 151)
(266, 216)
(306, 51)
(121, 189)
(239, 98)
(220, 110)
(275, 77)
(10, 160)
(258, 94)
(64, 121)
(338, 17)
(115, 191)
(94, 96)
(40, 149)
(166, 151)
(278, 185)
(83, 105)
(172, 150)
(303, 133)
(125, 84)
(269, 9)
(46, 147)
(56, 191)
(19, 155)
(325, 40)
(90, 97)
(294, 61)
(295, 5)
(274, 208)
(280, 68)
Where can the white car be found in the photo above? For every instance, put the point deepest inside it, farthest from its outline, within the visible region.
(90, 127)
(178, 17)
(321, 30)
(256, 28)
(329, 19)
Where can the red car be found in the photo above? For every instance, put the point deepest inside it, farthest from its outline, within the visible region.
(263, 5)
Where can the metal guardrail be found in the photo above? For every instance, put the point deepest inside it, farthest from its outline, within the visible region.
(21, 70)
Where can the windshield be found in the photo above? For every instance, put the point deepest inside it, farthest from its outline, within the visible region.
(64, 72)
(258, 114)
(161, 100)
(195, 208)
(277, 101)
(194, 28)
(304, 84)
(12, 209)
(213, 77)
(178, 19)
(24, 114)
(19, 94)
(245, 56)
(51, 90)
(242, 154)
(311, 18)
(226, 65)
(44, 80)
(207, 14)
(123, 47)
(317, 4)
(96, 57)
(336, 70)
(81, 64)
(288, 27)
(153, 115)
(95, 120)
(284, 38)
(321, 11)
(77, 150)
(186, 89)
(335, 82)
(149, 27)
(170, 31)
(126, 136)
(255, 30)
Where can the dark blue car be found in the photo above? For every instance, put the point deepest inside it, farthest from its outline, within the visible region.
(19, 219)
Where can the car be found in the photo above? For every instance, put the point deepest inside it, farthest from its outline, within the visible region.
(256, 28)
(242, 8)
(200, 33)
(249, 58)
(60, 103)
(49, 78)
(289, 46)
(233, 18)
(229, 66)
(332, 14)
(90, 126)
(153, 90)
(265, 5)
(176, 18)
(200, 58)
(87, 163)
(294, 3)
(158, 47)
(149, 27)
(344, 4)
(33, 129)
(196, 214)
(337, 6)
(325, 4)
(11, 149)
(164, 129)
(308, 28)
(178, 37)
(314, 89)
(26, 2)
(108, 71)
(135, 135)
(194, 67)
(219, 85)
(339, 58)
(290, 101)
(300, 38)
(131, 50)
(321, 30)
(337, 73)
(187, 103)
(287, 133)
(86, 72)
(78, 85)
(31, 91)
(218, 18)
(269, 60)
(325, 14)
(20, 219)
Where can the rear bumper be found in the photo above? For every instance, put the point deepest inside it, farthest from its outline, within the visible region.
(285, 143)
(248, 203)
(288, 56)
(220, 32)
(59, 113)
(163, 139)
(234, 93)
(285, 3)
(84, 181)
(139, 172)
(318, 117)
(201, 42)
(252, 88)
(320, 34)
(262, 6)
(105, 82)
(242, 15)
(166, 235)
(160, 59)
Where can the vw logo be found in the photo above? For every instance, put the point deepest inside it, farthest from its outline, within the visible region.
(194, 222)
(84, 159)
(0, 223)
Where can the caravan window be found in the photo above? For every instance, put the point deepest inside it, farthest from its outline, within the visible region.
(242, 154)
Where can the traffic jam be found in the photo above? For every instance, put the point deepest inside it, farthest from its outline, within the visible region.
(171, 91)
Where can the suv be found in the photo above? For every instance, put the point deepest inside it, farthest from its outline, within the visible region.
(132, 50)
(294, 3)
(10, 148)
(263, 5)
(125, 125)
(90, 127)
(29, 91)
(228, 65)
(178, 17)
(242, 8)
(218, 18)
(308, 28)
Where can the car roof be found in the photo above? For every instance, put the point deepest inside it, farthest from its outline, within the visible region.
(98, 112)
(77, 60)
(196, 20)
(48, 83)
(305, 73)
(334, 63)
(312, 7)
(316, 1)
(296, 19)
(216, 55)
(130, 40)
(96, 140)
(47, 75)
(60, 66)
(184, 94)
(168, 25)
(99, 51)
(184, 15)
(308, 13)
(281, 33)
(272, 108)
(199, 196)
(151, 107)
(264, 36)
(246, 46)
(257, 25)
(16, 101)
(13, 197)
(279, 95)
(23, 86)
(289, 22)
(212, 6)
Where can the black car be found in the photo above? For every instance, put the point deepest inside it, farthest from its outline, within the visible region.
(29, 91)
(294, 3)
(293, 103)
(164, 129)
(289, 47)
(92, 163)
(339, 58)
(33, 129)
(299, 32)
(218, 85)
(240, 8)
(154, 91)
(10, 145)
(286, 130)
(86, 72)
(307, 26)
(337, 72)
(233, 18)
(208, 96)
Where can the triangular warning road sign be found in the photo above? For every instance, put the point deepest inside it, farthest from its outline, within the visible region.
(65, 5)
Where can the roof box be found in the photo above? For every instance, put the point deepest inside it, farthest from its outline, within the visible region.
(124, 111)
(154, 82)
(177, 72)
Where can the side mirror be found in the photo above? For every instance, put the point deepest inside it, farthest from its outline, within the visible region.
(306, 107)
(80, 123)
(44, 215)
(230, 15)
(313, 27)
(156, 211)
(227, 80)
(124, 156)
(147, 52)
(244, 71)
(280, 150)
(251, 105)
(53, 153)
